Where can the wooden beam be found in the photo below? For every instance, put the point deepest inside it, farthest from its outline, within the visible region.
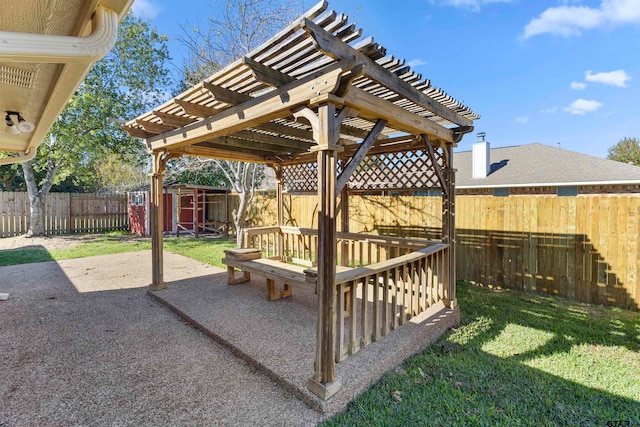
(173, 120)
(353, 131)
(436, 166)
(362, 151)
(373, 108)
(262, 138)
(212, 153)
(196, 110)
(244, 145)
(154, 128)
(225, 95)
(267, 75)
(337, 49)
(137, 132)
(381, 146)
(286, 130)
(257, 111)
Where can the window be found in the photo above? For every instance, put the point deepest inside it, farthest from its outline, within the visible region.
(501, 192)
(569, 191)
(137, 199)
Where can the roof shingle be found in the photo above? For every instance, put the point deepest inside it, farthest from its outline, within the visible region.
(540, 165)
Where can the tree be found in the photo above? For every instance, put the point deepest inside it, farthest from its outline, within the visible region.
(127, 81)
(118, 173)
(239, 27)
(627, 150)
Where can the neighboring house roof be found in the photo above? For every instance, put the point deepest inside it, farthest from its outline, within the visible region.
(47, 49)
(542, 165)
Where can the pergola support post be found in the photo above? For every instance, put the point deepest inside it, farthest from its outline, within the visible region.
(324, 382)
(280, 205)
(449, 225)
(157, 176)
(344, 224)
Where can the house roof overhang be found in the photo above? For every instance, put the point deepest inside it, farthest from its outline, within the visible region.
(256, 109)
(47, 50)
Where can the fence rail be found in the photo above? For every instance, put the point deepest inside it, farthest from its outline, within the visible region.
(64, 213)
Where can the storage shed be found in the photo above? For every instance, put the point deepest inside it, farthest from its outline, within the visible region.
(191, 209)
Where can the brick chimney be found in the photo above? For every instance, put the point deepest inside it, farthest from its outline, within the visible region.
(481, 163)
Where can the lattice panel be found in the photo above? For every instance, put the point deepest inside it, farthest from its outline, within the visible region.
(406, 170)
(391, 171)
(300, 178)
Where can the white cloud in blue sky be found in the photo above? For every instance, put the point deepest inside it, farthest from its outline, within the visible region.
(474, 5)
(416, 62)
(614, 78)
(549, 110)
(145, 9)
(572, 20)
(582, 106)
(578, 85)
(522, 120)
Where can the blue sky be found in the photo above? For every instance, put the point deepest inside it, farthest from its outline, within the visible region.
(547, 71)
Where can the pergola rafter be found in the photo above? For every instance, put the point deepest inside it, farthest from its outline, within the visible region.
(329, 112)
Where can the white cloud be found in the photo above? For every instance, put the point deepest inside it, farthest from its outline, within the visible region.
(582, 106)
(416, 62)
(522, 120)
(145, 9)
(549, 110)
(615, 78)
(571, 20)
(578, 85)
(474, 5)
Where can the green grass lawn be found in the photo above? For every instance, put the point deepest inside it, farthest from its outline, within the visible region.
(209, 251)
(517, 359)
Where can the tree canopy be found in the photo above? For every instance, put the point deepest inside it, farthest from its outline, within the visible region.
(627, 150)
(129, 80)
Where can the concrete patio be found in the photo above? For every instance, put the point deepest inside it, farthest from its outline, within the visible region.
(84, 343)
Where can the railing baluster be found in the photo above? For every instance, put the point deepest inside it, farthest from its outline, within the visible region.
(365, 337)
(394, 304)
(422, 266)
(340, 318)
(353, 343)
(385, 303)
(416, 288)
(376, 307)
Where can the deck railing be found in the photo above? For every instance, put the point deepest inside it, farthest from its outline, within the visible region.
(354, 250)
(385, 295)
(390, 279)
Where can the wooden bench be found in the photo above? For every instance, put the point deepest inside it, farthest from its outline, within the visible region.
(273, 270)
(248, 261)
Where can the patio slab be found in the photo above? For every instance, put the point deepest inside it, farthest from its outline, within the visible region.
(279, 337)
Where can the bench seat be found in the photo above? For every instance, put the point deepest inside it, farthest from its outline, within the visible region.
(273, 270)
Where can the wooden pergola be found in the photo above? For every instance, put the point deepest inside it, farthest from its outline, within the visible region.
(328, 111)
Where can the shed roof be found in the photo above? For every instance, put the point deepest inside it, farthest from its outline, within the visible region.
(247, 110)
(542, 165)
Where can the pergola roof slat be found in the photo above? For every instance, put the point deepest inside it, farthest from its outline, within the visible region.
(245, 100)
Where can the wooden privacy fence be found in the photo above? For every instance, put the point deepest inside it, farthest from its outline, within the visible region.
(585, 247)
(64, 213)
